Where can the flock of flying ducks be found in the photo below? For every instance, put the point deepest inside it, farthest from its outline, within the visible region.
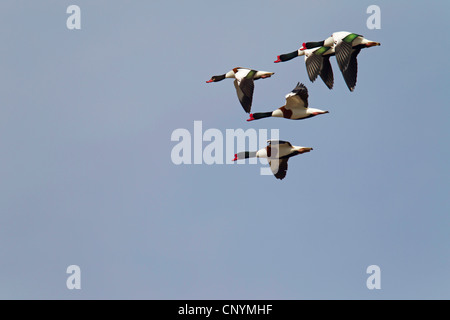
(344, 45)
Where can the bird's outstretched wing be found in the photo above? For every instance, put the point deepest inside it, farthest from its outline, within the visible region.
(327, 72)
(297, 98)
(245, 86)
(278, 164)
(343, 51)
(314, 63)
(350, 74)
(279, 168)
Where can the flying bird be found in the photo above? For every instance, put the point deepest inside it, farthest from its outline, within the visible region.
(344, 45)
(317, 61)
(244, 83)
(347, 46)
(278, 153)
(296, 107)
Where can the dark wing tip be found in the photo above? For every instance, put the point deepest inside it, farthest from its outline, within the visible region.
(282, 170)
(247, 87)
(299, 87)
(327, 73)
(314, 64)
(246, 103)
(301, 91)
(343, 54)
(351, 73)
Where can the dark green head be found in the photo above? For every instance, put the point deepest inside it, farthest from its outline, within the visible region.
(311, 45)
(216, 78)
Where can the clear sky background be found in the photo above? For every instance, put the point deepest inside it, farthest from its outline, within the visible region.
(86, 177)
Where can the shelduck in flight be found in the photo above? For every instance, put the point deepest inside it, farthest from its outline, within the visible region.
(344, 45)
(296, 107)
(244, 83)
(277, 153)
(317, 61)
(347, 46)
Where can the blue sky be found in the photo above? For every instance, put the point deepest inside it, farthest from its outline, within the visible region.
(86, 177)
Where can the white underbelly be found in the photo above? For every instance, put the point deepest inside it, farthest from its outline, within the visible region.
(299, 113)
(290, 114)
